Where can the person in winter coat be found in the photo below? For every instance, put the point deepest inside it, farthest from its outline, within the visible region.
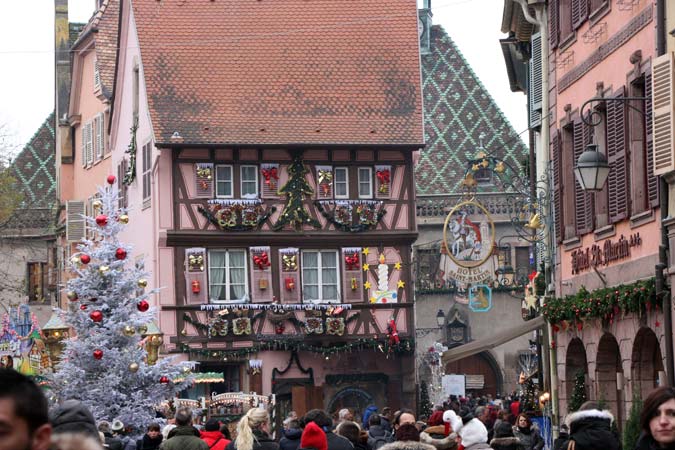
(471, 431)
(407, 432)
(370, 410)
(352, 432)
(212, 436)
(590, 428)
(183, 436)
(377, 435)
(313, 438)
(527, 433)
(407, 445)
(324, 422)
(253, 432)
(290, 439)
(658, 420)
(439, 433)
(504, 438)
(110, 442)
(120, 433)
(563, 436)
(152, 439)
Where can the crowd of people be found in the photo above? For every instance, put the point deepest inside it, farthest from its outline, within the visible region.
(26, 423)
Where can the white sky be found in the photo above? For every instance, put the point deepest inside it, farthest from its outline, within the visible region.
(27, 56)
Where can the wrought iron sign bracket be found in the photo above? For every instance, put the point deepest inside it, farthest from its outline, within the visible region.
(594, 118)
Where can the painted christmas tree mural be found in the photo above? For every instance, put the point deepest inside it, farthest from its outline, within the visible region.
(105, 364)
(296, 189)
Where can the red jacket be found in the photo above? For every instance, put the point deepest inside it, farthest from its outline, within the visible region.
(515, 409)
(210, 437)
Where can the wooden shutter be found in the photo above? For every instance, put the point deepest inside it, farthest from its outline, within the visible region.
(98, 143)
(261, 290)
(535, 81)
(269, 177)
(579, 12)
(75, 227)
(352, 282)
(382, 186)
(97, 74)
(553, 24)
(324, 182)
(617, 182)
(85, 129)
(557, 186)
(195, 271)
(89, 143)
(582, 200)
(289, 272)
(652, 180)
(663, 123)
(204, 176)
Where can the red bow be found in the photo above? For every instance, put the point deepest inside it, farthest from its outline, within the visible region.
(352, 261)
(384, 176)
(270, 174)
(261, 260)
(393, 334)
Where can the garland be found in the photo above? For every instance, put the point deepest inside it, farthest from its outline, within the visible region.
(130, 175)
(605, 304)
(363, 225)
(232, 224)
(295, 321)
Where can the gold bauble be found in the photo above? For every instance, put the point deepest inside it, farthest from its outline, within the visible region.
(184, 332)
(128, 330)
(186, 369)
(142, 283)
(133, 367)
(75, 260)
(124, 219)
(97, 204)
(72, 295)
(103, 269)
(142, 329)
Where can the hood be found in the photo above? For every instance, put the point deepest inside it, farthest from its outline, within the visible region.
(377, 431)
(592, 429)
(586, 415)
(292, 433)
(505, 441)
(211, 435)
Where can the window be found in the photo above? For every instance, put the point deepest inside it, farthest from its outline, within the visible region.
(36, 281)
(224, 181)
(365, 182)
(568, 181)
(565, 19)
(227, 275)
(97, 75)
(147, 168)
(320, 277)
(341, 182)
(249, 181)
(98, 142)
(637, 132)
(87, 144)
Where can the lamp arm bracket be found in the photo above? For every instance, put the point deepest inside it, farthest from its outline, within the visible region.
(593, 118)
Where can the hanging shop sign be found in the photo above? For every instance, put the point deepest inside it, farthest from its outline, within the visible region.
(480, 298)
(469, 235)
(605, 253)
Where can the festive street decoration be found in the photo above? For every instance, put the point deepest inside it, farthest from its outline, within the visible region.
(106, 358)
(579, 392)
(352, 261)
(383, 294)
(236, 215)
(204, 178)
(267, 307)
(85, 259)
(383, 175)
(195, 260)
(313, 325)
(270, 173)
(392, 333)
(296, 189)
(325, 180)
(352, 216)
(426, 408)
(261, 260)
(290, 263)
(335, 326)
(130, 174)
(23, 346)
(480, 298)
(469, 243)
(242, 325)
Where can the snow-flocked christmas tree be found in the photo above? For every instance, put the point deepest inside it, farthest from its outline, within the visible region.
(105, 364)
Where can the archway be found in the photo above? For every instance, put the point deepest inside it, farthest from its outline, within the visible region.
(480, 364)
(353, 398)
(609, 376)
(575, 363)
(646, 362)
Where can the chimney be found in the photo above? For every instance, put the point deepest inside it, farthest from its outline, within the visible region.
(424, 27)
(64, 148)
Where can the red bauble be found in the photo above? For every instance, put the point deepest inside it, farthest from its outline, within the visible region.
(101, 220)
(96, 316)
(120, 253)
(164, 380)
(143, 305)
(98, 354)
(84, 259)
(111, 179)
(83, 307)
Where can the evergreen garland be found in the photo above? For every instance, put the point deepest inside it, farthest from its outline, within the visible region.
(296, 189)
(632, 429)
(579, 393)
(130, 174)
(425, 403)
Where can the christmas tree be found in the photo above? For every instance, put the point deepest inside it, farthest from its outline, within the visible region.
(579, 393)
(632, 429)
(105, 364)
(425, 403)
(296, 189)
(530, 396)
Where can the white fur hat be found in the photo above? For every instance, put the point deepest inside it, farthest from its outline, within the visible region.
(472, 432)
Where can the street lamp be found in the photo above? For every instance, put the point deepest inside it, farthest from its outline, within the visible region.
(55, 332)
(154, 338)
(592, 169)
(440, 318)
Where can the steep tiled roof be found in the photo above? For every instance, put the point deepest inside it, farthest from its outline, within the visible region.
(282, 71)
(457, 109)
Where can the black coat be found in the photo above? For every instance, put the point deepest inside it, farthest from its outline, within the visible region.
(506, 443)
(646, 442)
(592, 430)
(336, 442)
(262, 442)
(290, 439)
(147, 443)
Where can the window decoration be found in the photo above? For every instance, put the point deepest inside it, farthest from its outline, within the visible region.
(335, 326)
(195, 275)
(218, 326)
(195, 257)
(270, 177)
(314, 325)
(352, 215)
(325, 181)
(236, 215)
(290, 279)
(352, 286)
(130, 175)
(262, 273)
(204, 180)
(295, 190)
(241, 325)
(261, 258)
(352, 261)
(383, 176)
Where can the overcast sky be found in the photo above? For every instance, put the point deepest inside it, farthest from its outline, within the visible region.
(27, 56)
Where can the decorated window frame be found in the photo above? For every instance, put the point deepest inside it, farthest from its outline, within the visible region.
(220, 181)
(244, 179)
(324, 182)
(227, 283)
(383, 180)
(269, 180)
(320, 268)
(341, 181)
(365, 179)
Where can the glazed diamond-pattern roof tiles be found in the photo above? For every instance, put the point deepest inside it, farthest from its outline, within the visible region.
(282, 71)
(457, 109)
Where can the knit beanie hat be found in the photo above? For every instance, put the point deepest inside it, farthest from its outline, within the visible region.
(435, 419)
(212, 425)
(504, 429)
(73, 416)
(407, 432)
(313, 437)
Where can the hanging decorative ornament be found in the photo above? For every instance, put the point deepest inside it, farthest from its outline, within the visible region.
(101, 220)
(72, 296)
(133, 367)
(128, 330)
(143, 306)
(164, 380)
(142, 283)
(120, 253)
(83, 307)
(85, 259)
(142, 329)
(111, 179)
(103, 269)
(97, 204)
(93, 299)
(75, 260)
(96, 316)
(98, 354)
(186, 369)
(499, 167)
(124, 219)
(184, 331)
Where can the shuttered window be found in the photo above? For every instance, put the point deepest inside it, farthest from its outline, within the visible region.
(579, 12)
(74, 220)
(557, 188)
(320, 276)
(637, 149)
(583, 211)
(652, 180)
(535, 82)
(341, 182)
(663, 122)
(617, 182)
(147, 168)
(365, 182)
(553, 27)
(87, 144)
(567, 181)
(565, 19)
(121, 186)
(99, 141)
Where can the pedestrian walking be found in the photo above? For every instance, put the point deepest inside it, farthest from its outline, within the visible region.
(528, 433)
(439, 433)
(183, 436)
(212, 435)
(658, 420)
(471, 431)
(253, 432)
(352, 432)
(290, 439)
(377, 435)
(152, 438)
(313, 438)
(110, 442)
(321, 418)
(591, 428)
(504, 438)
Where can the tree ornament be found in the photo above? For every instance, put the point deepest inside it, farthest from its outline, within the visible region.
(143, 306)
(75, 260)
(142, 283)
(97, 204)
(83, 307)
(142, 329)
(128, 330)
(98, 354)
(103, 269)
(184, 331)
(101, 220)
(85, 259)
(72, 296)
(120, 253)
(96, 316)
(164, 380)
(186, 369)
(133, 367)
(111, 179)
(123, 219)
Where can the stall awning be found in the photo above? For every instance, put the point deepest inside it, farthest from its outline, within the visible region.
(472, 348)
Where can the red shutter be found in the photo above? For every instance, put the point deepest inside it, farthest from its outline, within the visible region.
(557, 187)
(582, 200)
(261, 267)
(579, 12)
(617, 182)
(352, 268)
(289, 272)
(652, 180)
(553, 27)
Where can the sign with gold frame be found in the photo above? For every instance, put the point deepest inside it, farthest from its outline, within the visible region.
(469, 242)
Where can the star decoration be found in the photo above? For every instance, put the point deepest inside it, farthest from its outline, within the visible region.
(367, 285)
(366, 251)
(397, 266)
(373, 299)
(531, 301)
(366, 267)
(400, 284)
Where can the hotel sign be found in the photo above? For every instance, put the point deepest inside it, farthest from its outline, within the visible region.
(604, 253)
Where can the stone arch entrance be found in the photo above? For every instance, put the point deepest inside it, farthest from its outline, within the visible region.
(609, 376)
(575, 362)
(646, 362)
(353, 398)
(480, 364)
